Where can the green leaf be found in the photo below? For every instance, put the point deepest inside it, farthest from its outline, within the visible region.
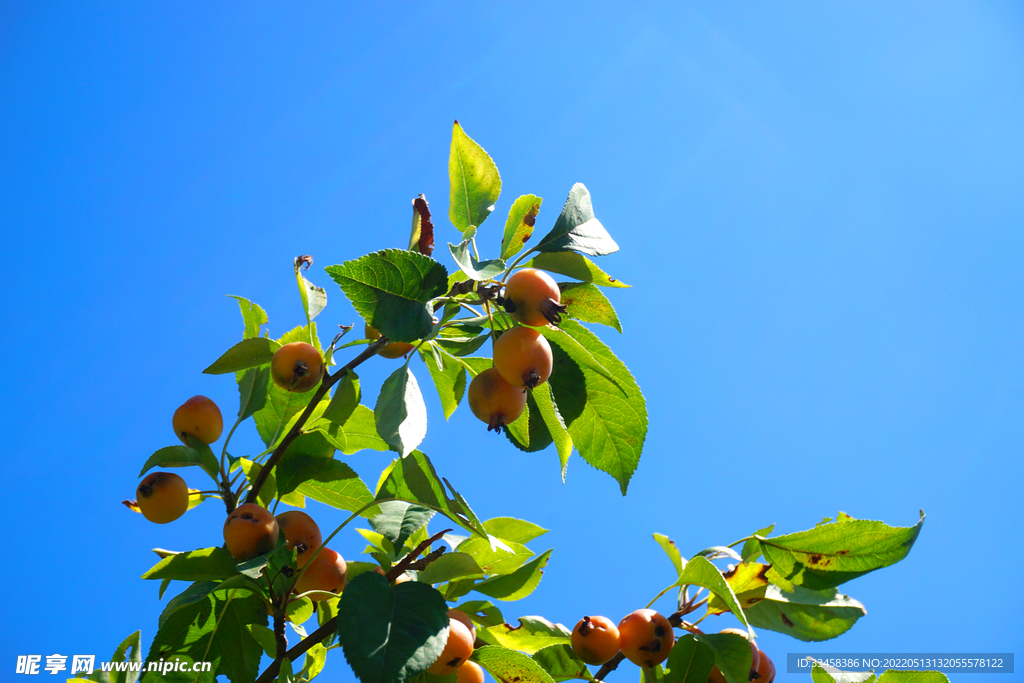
(214, 629)
(198, 591)
(689, 661)
(588, 304)
(399, 519)
(316, 658)
(669, 546)
(183, 456)
(552, 419)
(391, 633)
(607, 421)
(253, 317)
(449, 379)
(448, 567)
(519, 227)
(508, 665)
(749, 583)
(478, 270)
(252, 391)
(832, 554)
(528, 432)
(579, 353)
(128, 651)
(346, 397)
(732, 654)
(562, 664)
(577, 229)
(300, 610)
(269, 489)
(698, 571)
(248, 353)
(475, 183)
(314, 298)
(810, 616)
(752, 547)
(206, 564)
(400, 413)
(358, 433)
(513, 530)
(265, 637)
(390, 290)
(493, 559)
(412, 478)
(820, 675)
(308, 456)
(461, 340)
(575, 265)
(532, 634)
(518, 584)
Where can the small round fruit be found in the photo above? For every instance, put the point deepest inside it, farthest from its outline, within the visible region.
(765, 669)
(645, 637)
(470, 672)
(456, 651)
(494, 400)
(162, 497)
(250, 531)
(297, 367)
(301, 532)
(326, 572)
(534, 296)
(595, 640)
(200, 417)
(466, 621)
(523, 357)
(755, 655)
(390, 350)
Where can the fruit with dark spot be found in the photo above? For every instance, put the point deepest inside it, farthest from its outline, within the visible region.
(523, 357)
(301, 533)
(765, 669)
(645, 637)
(595, 640)
(495, 401)
(470, 672)
(755, 655)
(534, 298)
(391, 349)
(200, 417)
(162, 497)
(250, 531)
(456, 651)
(326, 572)
(297, 367)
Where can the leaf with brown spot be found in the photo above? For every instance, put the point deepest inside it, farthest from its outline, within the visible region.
(519, 227)
(422, 237)
(749, 582)
(509, 666)
(810, 616)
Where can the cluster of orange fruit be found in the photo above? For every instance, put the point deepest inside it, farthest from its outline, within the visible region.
(454, 659)
(645, 638)
(521, 355)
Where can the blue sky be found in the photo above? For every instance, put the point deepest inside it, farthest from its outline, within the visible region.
(820, 210)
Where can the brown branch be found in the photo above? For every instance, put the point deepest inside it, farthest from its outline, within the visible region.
(331, 625)
(293, 433)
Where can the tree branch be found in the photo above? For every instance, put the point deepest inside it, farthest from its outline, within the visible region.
(293, 433)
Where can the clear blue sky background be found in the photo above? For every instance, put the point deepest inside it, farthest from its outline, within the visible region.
(820, 211)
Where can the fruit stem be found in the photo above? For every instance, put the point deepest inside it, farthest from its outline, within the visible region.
(518, 260)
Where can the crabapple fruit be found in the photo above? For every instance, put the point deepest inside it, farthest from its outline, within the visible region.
(297, 366)
(391, 349)
(523, 357)
(470, 672)
(595, 640)
(645, 637)
(466, 621)
(250, 531)
(301, 533)
(532, 297)
(326, 572)
(494, 400)
(162, 497)
(456, 651)
(200, 417)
